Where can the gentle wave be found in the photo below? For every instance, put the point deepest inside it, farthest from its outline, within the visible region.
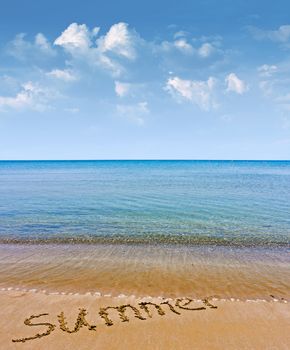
(145, 297)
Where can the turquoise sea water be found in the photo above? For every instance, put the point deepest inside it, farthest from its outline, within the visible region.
(240, 203)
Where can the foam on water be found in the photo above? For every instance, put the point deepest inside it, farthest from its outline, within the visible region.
(143, 298)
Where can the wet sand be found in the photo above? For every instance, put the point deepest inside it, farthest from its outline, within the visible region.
(167, 271)
(232, 325)
(169, 297)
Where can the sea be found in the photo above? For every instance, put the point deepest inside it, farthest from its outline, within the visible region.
(141, 227)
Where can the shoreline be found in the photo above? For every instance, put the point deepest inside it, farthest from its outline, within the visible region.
(147, 271)
(97, 294)
(115, 297)
(77, 323)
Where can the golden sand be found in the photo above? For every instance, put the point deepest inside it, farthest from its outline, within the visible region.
(90, 322)
(146, 270)
(69, 297)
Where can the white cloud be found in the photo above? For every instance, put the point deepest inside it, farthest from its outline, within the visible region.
(31, 96)
(198, 92)
(183, 46)
(43, 44)
(206, 50)
(122, 89)
(119, 40)
(23, 49)
(134, 112)
(180, 34)
(108, 63)
(282, 34)
(266, 70)
(76, 37)
(203, 47)
(235, 84)
(64, 74)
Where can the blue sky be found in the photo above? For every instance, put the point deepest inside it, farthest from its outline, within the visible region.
(145, 80)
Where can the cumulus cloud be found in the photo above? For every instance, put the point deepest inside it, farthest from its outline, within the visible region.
(134, 112)
(122, 89)
(282, 34)
(65, 75)
(76, 37)
(23, 49)
(120, 41)
(195, 91)
(31, 96)
(201, 47)
(267, 70)
(234, 84)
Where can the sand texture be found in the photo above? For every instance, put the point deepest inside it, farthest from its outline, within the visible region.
(86, 322)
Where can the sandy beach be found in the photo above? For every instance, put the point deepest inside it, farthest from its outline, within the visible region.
(85, 322)
(150, 255)
(142, 297)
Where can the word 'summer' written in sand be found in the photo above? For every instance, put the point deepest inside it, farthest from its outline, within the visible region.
(143, 311)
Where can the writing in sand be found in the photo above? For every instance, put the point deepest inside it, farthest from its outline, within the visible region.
(142, 312)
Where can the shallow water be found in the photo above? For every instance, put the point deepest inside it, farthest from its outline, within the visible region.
(143, 270)
(170, 228)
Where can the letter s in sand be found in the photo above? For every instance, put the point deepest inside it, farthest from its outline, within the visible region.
(27, 322)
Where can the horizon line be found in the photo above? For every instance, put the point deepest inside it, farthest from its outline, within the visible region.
(143, 159)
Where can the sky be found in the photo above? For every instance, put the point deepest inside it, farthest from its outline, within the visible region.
(145, 80)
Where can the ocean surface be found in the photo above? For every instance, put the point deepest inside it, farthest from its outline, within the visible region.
(244, 203)
(146, 227)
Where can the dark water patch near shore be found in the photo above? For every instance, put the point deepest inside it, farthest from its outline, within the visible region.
(153, 239)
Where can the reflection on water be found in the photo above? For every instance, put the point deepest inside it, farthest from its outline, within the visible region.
(143, 270)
